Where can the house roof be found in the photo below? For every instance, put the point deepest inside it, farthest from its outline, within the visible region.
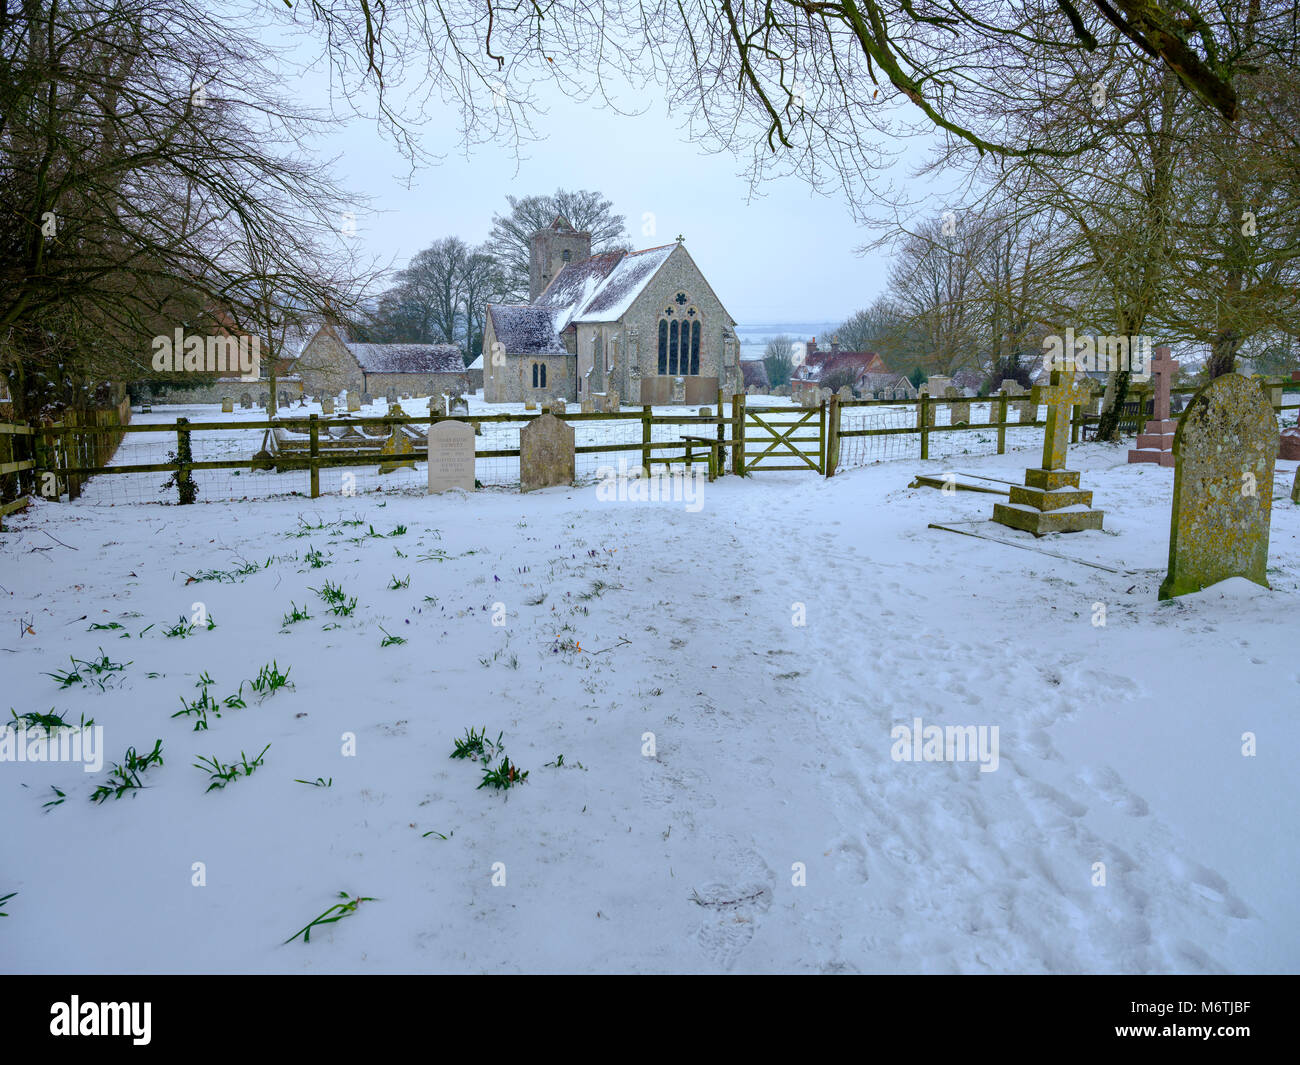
(861, 361)
(477, 364)
(406, 358)
(526, 329)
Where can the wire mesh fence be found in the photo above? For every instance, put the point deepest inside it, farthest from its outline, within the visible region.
(900, 440)
(286, 474)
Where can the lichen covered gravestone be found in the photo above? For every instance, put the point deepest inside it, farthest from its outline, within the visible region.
(1224, 453)
(1050, 499)
(227, 405)
(545, 453)
(451, 456)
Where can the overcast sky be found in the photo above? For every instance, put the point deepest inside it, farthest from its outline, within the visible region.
(787, 255)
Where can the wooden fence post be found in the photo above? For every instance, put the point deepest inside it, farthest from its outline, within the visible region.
(184, 456)
(313, 429)
(647, 435)
(1002, 425)
(923, 413)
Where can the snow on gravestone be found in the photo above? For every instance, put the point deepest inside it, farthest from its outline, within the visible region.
(451, 456)
(545, 453)
(1224, 452)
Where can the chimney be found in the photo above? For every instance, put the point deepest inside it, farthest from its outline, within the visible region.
(812, 350)
(835, 345)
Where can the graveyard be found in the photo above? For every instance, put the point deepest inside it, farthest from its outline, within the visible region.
(709, 734)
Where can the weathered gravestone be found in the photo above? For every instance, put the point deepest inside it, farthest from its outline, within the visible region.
(227, 405)
(1224, 453)
(451, 456)
(264, 400)
(246, 401)
(390, 396)
(1050, 499)
(545, 453)
(557, 406)
(679, 390)
(529, 405)
(959, 408)
(399, 443)
(844, 392)
(612, 402)
(354, 402)
(327, 405)
(588, 405)
(705, 412)
(1156, 443)
(284, 399)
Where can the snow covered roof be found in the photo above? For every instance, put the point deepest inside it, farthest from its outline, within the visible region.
(625, 282)
(477, 364)
(574, 287)
(526, 330)
(406, 358)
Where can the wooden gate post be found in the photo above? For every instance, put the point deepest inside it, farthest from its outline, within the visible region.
(1002, 425)
(923, 414)
(738, 433)
(313, 428)
(832, 436)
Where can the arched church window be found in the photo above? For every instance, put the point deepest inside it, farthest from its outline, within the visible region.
(679, 343)
(542, 367)
(564, 255)
(534, 375)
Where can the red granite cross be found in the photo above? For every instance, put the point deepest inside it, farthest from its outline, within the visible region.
(1162, 368)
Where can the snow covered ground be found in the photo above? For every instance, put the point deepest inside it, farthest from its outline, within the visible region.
(771, 830)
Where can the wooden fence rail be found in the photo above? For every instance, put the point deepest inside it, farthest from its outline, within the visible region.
(82, 446)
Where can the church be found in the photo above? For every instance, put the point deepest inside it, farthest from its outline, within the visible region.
(640, 327)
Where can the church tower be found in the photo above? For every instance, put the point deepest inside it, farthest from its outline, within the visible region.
(549, 249)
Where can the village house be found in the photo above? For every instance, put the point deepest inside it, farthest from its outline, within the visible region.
(644, 326)
(819, 364)
(331, 361)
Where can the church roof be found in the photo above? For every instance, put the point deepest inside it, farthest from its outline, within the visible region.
(526, 330)
(575, 285)
(625, 282)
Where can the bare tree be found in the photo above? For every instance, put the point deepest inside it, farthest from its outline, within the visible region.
(587, 212)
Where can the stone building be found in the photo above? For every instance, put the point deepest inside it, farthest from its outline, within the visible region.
(331, 361)
(645, 325)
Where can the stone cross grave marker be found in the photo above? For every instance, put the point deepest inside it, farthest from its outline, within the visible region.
(1224, 453)
(1050, 499)
(545, 453)
(451, 456)
(1156, 443)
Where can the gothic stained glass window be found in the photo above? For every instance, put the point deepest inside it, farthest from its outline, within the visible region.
(672, 349)
(663, 346)
(534, 375)
(695, 347)
(539, 375)
(543, 374)
(680, 298)
(679, 344)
